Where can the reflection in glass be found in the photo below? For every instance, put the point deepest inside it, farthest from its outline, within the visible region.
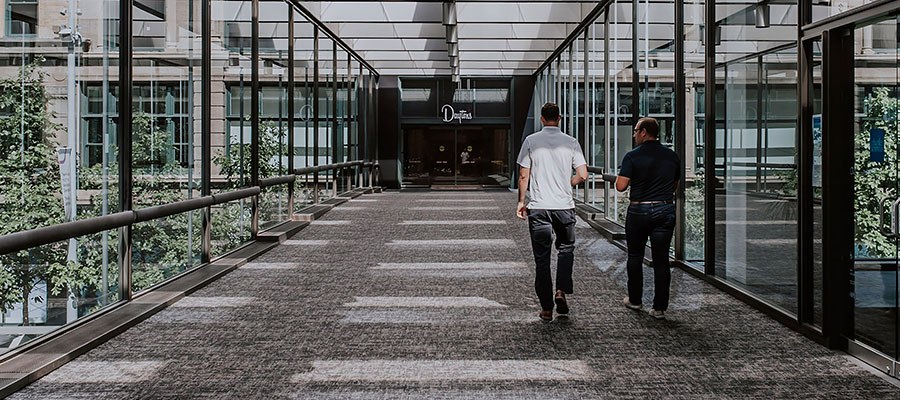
(755, 165)
(876, 184)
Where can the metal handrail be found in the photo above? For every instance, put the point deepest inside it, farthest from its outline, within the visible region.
(320, 168)
(24, 240)
(599, 170)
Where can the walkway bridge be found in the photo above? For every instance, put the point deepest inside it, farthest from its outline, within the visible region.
(410, 295)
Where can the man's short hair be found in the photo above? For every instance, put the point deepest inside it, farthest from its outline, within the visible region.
(650, 125)
(550, 112)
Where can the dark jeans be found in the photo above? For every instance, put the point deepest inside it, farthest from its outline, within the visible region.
(656, 221)
(542, 224)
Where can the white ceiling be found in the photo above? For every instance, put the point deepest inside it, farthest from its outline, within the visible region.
(495, 37)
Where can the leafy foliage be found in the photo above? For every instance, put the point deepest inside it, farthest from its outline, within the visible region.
(235, 163)
(875, 182)
(29, 188)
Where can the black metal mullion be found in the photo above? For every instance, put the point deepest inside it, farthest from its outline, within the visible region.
(315, 99)
(805, 195)
(254, 117)
(837, 193)
(291, 108)
(124, 137)
(680, 134)
(709, 137)
(759, 120)
(347, 113)
(635, 74)
(206, 127)
(334, 110)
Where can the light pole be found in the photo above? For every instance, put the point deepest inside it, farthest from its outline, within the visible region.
(68, 168)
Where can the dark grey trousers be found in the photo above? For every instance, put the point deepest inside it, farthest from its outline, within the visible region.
(542, 224)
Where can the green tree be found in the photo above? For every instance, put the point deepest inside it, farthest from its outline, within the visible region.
(875, 182)
(30, 190)
(235, 163)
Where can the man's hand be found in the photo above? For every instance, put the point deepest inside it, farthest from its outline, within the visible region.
(521, 211)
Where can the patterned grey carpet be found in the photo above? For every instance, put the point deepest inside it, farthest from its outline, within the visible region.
(387, 306)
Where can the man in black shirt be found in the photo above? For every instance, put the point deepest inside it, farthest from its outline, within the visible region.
(653, 171)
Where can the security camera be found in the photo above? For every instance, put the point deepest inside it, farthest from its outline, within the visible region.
(65, 32)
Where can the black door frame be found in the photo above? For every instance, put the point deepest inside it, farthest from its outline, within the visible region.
(836, 37)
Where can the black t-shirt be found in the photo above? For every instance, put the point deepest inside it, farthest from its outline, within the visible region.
(653, 170)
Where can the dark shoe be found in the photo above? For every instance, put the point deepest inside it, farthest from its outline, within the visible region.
(562, 307)
(547, 316)
(636, 307)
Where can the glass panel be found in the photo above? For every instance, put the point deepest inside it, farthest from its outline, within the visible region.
(826, 9)
(164, 247)
(61, 129)
(418, 97)
(44, 292)
(166, 96)
(694, 129)
(303, 93)
(597, 120)
(621, 76)
(492, 98)
(756, 147)
(273, 129)
(876, 183)
(230, 226)
(273, 206)
(231, 29)
(818, 222)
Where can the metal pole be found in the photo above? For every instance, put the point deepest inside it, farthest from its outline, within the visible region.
(72, 159)
(335, 138)
(315, 99)
(123, 137)
(709, 146)
(254, 117)
(587, 97)
(105, 161)
(291, 105)
(206, 128)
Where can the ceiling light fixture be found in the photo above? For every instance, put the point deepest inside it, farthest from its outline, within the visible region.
(762, 15)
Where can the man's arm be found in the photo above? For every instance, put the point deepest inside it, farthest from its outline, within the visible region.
(524, 176)
(580, 175)
(622, 183)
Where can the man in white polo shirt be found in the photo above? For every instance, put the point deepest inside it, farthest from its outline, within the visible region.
(545, 163)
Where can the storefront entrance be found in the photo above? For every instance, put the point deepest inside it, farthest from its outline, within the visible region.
(462, 155)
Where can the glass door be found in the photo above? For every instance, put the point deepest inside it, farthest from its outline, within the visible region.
(429, 156)
(463, 155)
(876, 195)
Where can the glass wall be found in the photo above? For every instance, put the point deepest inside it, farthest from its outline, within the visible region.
(154, 111)
(875, 185)
(166, 94)
(741, 179)
(58, 125)
(756, 148)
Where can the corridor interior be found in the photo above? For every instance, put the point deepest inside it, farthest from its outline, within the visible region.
(409, 295)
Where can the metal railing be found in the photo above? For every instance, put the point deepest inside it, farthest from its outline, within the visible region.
(14, 243)
(24, 240)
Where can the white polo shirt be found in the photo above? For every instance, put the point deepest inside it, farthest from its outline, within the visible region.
(551, 155)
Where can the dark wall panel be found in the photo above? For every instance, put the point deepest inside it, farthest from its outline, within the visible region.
(389, 130)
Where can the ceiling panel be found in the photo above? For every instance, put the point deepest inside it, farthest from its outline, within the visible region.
(495, 37)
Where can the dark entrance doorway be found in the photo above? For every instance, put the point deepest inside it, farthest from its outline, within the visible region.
(462, 155)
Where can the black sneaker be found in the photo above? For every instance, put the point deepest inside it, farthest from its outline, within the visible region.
(561, 306)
